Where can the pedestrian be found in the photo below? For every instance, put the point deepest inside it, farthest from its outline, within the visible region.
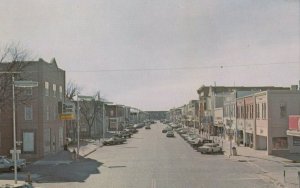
(74, 154)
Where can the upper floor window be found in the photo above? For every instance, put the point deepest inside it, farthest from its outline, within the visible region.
(60, 92)
(47, 113)
(28, 90)
(54, 90)
(28, 112)
(283, 111)
(46, 88)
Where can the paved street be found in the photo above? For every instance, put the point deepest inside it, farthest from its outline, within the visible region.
(150, 160)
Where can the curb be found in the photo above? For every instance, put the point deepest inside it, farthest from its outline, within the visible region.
(92, 151)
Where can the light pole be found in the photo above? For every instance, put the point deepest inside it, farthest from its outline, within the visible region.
(103, 121)
(78, 128)
(24, 84)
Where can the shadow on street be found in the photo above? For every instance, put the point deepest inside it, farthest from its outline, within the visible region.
(60, 169)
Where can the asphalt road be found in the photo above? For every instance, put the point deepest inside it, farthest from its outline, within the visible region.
(151, 160)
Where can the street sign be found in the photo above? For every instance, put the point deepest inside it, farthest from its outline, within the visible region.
(25, 83)
(67, 116)
(68, 108)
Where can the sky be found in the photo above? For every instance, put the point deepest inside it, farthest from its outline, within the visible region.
(155, 54)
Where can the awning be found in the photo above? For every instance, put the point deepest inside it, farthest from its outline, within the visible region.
(293, 133)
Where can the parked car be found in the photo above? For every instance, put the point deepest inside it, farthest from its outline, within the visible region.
(139, 125)
(125, 134)
(147, 127)
(132, 130)
(114, 141)
(7, 164)
(210, 148)
(166, 129)
(170, 134)
(200, 142)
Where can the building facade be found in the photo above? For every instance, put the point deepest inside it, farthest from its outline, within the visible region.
(39, 129)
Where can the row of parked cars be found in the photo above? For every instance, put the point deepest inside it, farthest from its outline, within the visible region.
(120, 137)
(202, 145)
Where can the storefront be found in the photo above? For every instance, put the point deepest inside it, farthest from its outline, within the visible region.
(294, 134)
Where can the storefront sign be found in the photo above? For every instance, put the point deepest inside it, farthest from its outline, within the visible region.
(294, 122)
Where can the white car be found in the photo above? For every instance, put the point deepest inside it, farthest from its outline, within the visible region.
(210, 148)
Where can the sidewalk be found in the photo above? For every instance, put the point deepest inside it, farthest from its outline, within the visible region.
(66, 157)
(86, 147)
(281, 171)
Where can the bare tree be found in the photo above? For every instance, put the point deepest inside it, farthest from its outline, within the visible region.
(72, 90)
(89, 109)
(13, 58)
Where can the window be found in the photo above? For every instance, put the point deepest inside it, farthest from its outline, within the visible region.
(54, 112)
(28, 141)
(46, 88)
(47, 113)
(283, 112)
(60, 92)
(258, 111)
(28, 112)
(252, 111)
(28, 90)
(264, 110)
(54, 90)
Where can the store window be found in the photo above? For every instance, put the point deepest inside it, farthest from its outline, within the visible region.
(280, 143)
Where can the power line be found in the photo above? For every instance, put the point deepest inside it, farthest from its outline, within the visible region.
(183, 68)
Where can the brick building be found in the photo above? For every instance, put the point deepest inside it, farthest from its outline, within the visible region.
(39, 129)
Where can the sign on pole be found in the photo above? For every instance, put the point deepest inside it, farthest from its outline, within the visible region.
(67, 111)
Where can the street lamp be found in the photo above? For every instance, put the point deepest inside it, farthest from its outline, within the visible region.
(24, 84)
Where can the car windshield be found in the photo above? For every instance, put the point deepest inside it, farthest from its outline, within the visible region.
(150, 93)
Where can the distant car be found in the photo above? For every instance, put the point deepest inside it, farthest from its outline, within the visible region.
(114, 141)
(166, 129)
(210, 148)
(7, 164)
(147, 127)
(170, 134)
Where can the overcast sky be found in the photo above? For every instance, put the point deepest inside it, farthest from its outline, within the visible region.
(155, 54)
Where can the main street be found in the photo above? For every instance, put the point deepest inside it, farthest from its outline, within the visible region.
(151, 160)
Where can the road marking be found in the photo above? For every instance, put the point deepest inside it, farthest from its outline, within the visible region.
(153, 183)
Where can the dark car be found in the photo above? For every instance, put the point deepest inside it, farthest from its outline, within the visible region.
(132, 130)
(125, 134)
(114, 141)
(170, 134)
(166, 129)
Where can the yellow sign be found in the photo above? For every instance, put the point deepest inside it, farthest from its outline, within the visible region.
(67, 116)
